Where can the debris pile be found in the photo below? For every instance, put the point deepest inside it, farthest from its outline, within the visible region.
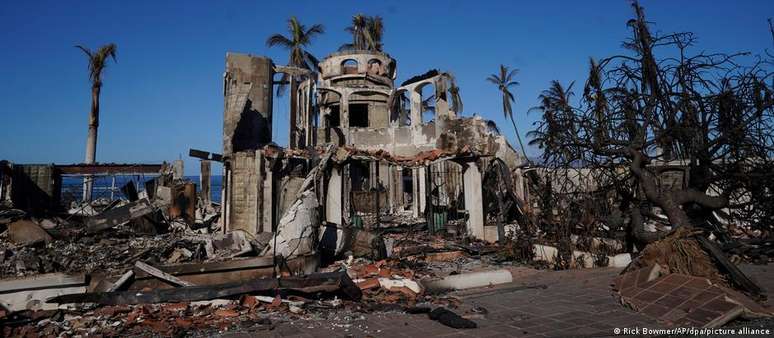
(685, 280)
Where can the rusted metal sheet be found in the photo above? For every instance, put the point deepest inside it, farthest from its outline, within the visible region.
(183, 202)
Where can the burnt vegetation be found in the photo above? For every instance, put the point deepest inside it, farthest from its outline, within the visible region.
(669, 136)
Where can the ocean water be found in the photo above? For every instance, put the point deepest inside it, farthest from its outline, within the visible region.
(72, 187)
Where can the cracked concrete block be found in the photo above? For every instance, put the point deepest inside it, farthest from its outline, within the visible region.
(470, 280)
(25, 232)
(619, 260)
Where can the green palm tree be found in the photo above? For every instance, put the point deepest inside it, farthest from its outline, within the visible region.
(504, 82)
(97, 63)
(296, 43)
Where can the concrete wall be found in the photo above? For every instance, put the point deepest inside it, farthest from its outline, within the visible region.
(331, 66)
(243, 192)
(247, 113)
(289, 187)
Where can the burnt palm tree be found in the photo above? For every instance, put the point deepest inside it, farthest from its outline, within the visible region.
(557, 118)
(375, 32)
(367, 32)
(504, 82)
(97, 63)
(297, 42)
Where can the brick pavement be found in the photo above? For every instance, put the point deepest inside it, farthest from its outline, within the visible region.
(576, 303)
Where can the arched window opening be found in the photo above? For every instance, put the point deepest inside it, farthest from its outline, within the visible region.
(375, 67)
(427, 103)
(400, 109)
(349, 66)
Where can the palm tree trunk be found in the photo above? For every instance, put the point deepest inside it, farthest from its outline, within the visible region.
(91, 141)
(518, 137)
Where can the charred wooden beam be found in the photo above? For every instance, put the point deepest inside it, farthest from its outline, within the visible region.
(116, 216)
(121, 281)
(200, 154)
(205, 155)
(331, 283)
(737, 276)
(155, 272)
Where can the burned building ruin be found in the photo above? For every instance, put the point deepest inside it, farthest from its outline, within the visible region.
(362, 152)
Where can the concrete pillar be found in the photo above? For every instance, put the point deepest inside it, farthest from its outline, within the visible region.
(178, 171)
(225, 197)
(385, 175)
(415, 192)
(243, 192)
(204, 182)
(441, 105)
(474, 200)
(333, 197)
(416, 108)
(267, 200)
(310, 131)
(420, 194)
(247, 114)
(344, 117)
(344, 110)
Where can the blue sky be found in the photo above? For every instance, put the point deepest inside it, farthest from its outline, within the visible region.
(164, 95)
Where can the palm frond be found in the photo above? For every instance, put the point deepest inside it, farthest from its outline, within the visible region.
(494, 79)
(97, 61)
(85, 50)
(298, 38)
(279, 40)
(316, 29)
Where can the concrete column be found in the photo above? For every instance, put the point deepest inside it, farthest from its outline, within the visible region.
(415, 191)
(372, 174)
(260, 163)
(416, 108)
(344, 110)
(204, 182)
(421, 189)
(333, 197)
(344, 116)
(474, 200)
(441, 108)
(225, 197)
(178, 170)
(268, 202)
(310, 130)
(248, 83)
(385, 175)
(243, 198)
